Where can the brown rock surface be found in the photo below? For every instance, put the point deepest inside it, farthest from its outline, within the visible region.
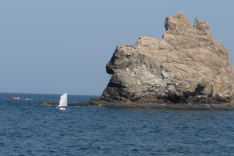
(185, 66)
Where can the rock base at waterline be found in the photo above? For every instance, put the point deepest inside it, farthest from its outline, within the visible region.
(53, 104)
(183, 106)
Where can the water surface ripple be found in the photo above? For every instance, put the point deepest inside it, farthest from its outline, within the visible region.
(27, 128)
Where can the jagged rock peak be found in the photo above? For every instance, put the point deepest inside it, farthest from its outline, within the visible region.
(176, 22)
(180, 25)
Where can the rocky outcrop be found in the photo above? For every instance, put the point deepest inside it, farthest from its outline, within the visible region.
(50, 104)
(185, 66)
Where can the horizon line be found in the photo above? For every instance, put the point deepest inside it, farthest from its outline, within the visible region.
(47, 93)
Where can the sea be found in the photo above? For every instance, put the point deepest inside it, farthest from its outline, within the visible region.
(28, 128)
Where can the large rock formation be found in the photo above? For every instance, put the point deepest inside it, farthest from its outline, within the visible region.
(185, 66)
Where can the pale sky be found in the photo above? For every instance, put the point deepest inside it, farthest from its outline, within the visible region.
(59, 46)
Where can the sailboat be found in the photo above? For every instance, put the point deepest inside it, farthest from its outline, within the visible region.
(63, 102)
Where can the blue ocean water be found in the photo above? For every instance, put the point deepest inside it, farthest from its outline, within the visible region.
(27, 128)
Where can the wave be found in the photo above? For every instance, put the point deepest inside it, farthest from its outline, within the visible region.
(28, 99)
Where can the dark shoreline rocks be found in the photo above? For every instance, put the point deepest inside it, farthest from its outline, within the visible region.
(169, 105)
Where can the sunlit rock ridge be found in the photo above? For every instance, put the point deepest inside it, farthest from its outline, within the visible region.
(185, 66)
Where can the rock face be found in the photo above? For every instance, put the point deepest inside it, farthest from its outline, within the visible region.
(185, 66)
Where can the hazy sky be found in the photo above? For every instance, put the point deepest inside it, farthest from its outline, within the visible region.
(58, 46)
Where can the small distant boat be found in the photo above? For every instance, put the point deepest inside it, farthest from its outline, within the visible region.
(63, 102)
(15, 97)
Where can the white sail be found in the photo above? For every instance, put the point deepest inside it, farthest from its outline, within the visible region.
(63, 100)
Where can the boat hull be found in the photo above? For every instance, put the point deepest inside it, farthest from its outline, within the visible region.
(15, 97)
